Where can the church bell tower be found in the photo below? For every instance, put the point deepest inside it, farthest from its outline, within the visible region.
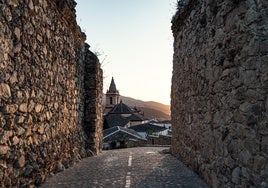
(112, 96)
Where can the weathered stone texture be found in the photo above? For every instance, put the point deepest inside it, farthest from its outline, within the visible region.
(42, 90)
(93, 102)
(219, 96)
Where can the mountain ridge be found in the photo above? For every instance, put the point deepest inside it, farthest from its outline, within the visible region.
(151, 109)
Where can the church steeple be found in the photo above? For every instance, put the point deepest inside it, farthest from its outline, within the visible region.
(112, 88)
(112, 96)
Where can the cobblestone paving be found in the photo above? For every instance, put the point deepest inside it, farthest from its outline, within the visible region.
(134, 167)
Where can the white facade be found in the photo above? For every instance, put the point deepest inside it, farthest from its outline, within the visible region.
(144, 134)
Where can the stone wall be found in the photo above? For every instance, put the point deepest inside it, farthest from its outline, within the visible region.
(159, 140)
(93, 102)
(219, 96)
(42, 91)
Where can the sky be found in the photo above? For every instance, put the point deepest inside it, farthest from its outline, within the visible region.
(134, 43)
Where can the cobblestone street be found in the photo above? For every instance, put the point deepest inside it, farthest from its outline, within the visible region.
(134, 167)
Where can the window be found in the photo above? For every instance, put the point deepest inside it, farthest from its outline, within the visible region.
(111, 100)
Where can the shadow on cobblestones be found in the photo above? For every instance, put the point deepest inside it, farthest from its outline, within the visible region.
(169, 172)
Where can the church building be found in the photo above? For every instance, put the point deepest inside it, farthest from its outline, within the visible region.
(116, 113)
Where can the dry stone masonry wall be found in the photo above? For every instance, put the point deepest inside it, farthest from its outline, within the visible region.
(220, 90)
(93, 102)
(43, 91)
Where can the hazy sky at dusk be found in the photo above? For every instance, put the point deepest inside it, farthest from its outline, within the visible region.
(135, 40)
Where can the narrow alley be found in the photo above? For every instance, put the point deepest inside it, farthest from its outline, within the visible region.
(132, 167)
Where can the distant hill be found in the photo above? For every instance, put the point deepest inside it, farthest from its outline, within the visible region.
(152, 113)
(151, 109)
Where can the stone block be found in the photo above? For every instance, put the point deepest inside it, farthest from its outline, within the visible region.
(236, 176)
(38, 108)
(23, 107)
(264, 142)
(31, 106)
(20, 119)
(259, 163)
(21, 161)
(245, 107)
(4, 149)
(20, 131)
(245, 172)
(11, 109)
(214, 180)
(5, 92)
(15, 140)
(244, 157)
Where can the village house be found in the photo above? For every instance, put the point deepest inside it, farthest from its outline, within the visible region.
(127, 127)
(120, 137)
(147, 129)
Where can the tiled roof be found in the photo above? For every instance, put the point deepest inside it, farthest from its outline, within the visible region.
(121, 115)
(120, 133)
(113, 120)
(147, 127)
(121, 108)
(136, 117)
(107, 132)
